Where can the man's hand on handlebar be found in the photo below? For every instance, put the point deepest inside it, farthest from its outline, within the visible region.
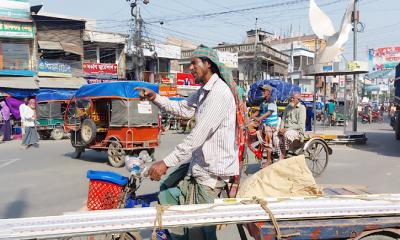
(146, 94)
(157, 170)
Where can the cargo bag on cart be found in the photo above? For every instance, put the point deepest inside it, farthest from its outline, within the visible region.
(287, 178)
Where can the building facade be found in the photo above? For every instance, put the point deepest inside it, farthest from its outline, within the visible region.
(104, 56)
(17, 34)
(256, 61)
(59, 43)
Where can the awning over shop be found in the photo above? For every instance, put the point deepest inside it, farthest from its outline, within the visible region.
(61, 46)
(72, 48)
(18, 82)
(49, 45)
(20, 73)
(18, 93)
(64, 83)
(390, 73)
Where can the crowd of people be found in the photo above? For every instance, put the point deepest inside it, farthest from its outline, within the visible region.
(27, 116)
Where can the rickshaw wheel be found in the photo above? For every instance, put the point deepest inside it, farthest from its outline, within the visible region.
(88, 131)
(116, 155)
(316, 155)
(44, 135)
(57, 133)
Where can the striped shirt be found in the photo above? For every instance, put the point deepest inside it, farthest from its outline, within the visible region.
(272, 119)
(210, 147)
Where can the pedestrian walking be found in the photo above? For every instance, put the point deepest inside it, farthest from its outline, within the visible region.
(6, 127)
(382, 109)
(31, 135)
(22, 108)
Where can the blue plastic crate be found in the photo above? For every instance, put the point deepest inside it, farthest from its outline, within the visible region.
(107, 176)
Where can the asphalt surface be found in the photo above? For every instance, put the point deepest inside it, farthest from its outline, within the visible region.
(48, 181)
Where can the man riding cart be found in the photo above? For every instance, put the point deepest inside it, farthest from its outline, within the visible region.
(208, 157)
(265, 119)
(290, 134)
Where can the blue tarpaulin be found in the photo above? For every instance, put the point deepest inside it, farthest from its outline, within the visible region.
(281, 90)
(45, 95)
(19, 93)
(319, 105)
(120, 89)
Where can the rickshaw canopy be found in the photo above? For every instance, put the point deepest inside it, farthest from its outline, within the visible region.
(48, 95)
(281, 90)
(118, 89)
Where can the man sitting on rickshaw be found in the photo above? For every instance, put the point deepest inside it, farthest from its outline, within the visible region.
(266, 119)
(292, 127)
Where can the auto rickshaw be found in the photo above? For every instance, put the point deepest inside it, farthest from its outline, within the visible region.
(111, 117)
(51, 105)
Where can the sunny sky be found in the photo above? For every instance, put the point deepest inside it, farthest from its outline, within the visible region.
(190, 19)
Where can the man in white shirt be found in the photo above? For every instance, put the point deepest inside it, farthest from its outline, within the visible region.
(209, 149)
(22, 114)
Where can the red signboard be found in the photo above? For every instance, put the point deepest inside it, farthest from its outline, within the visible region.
(100, 68)
(167, 80)
(307, 96)
(185, 79)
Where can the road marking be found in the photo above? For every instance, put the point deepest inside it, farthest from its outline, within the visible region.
(8, 162)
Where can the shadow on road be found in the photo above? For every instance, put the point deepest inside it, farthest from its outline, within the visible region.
(90, 156)
(16, 208)
(382, 142)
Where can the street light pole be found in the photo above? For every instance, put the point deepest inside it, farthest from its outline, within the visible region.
(137, 39)
(355, 97)
(255, 52)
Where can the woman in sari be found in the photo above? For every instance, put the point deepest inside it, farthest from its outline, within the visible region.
(6, 127)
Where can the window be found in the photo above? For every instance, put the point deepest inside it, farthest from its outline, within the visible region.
(14, 56)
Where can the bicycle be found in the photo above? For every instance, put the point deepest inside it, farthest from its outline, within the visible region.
(110, 190)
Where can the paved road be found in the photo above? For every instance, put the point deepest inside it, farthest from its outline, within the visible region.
(47, 181)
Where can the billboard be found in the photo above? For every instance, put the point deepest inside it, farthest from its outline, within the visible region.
(384, 58)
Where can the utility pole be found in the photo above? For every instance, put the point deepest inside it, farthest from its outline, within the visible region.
(355, 19)
(137, 41)
(255, 65)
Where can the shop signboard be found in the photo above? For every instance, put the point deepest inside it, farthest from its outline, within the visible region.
(309, 97)
(166, 80)
(16, 29)
(327, 68)
(384, 58)
(15, 9)
(167, 90)
(95, 80)
(100, 70)
(54, 68)
(185, 79)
